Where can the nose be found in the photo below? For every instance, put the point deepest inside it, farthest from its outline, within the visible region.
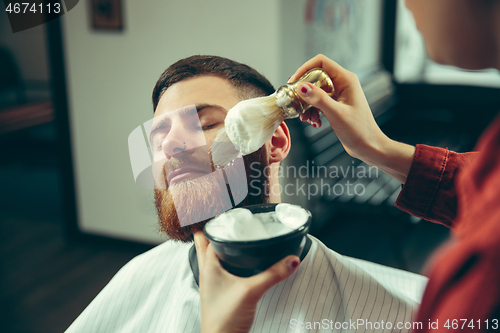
(176, 142)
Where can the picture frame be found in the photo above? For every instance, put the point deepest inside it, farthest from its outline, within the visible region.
(107, 14)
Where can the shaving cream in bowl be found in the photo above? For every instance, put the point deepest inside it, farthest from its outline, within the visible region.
(249, 240)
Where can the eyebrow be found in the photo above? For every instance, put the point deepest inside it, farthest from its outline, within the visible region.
(200, 107)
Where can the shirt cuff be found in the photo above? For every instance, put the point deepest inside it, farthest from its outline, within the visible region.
(429, 191)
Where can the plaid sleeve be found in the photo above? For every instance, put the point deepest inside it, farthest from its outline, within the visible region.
(429, 191)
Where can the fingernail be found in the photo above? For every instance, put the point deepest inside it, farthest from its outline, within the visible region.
(292, 264)
(288, 79)
(314, 124)
(305, 90)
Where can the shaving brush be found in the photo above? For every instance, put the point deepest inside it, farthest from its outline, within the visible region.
(250, 123)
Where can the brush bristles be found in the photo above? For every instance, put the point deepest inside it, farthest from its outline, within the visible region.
(223, 150)
(281, 100)
(222, 136)
(248, 125)
(264, 114)
(270, 121)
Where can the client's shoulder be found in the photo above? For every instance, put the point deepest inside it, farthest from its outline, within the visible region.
(163, 252)
(155, 262)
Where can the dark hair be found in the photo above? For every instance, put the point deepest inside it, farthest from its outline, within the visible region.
(248, 82)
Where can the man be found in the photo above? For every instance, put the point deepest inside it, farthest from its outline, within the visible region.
(179, 145)
(158, 290)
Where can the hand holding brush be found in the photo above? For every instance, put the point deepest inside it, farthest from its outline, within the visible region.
(352, 120)
(250, 123)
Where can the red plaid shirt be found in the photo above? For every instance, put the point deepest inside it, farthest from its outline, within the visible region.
(461, 191)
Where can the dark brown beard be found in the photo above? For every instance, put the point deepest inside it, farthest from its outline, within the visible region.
(202, 197)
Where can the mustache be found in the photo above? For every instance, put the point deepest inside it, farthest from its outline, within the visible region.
(197, 158)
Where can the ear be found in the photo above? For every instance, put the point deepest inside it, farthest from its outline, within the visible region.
(279, 144)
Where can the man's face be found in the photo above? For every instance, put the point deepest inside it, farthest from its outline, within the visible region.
(185, 185)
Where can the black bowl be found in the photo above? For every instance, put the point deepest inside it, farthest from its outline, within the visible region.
(247, 258)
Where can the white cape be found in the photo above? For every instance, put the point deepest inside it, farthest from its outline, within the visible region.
(156, 292)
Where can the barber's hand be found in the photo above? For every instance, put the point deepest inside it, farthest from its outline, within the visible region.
(228, 302)
(348, 111)
(351, 118)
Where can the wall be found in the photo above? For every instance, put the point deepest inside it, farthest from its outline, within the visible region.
(110, 79)
(348, 31)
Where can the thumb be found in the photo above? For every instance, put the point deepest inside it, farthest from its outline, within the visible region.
(278, 272)
(201, 244)
(319, 99)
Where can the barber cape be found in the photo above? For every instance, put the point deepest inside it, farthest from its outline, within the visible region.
(157, 292)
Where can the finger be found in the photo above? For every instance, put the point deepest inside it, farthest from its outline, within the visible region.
(311, 116)
(314, 116)
(213, 268)
(201, 244)
(211, 258)
(313, 109)
(306, 116)
(341, 77)
(319, 61)
(318, 111)
(278, 272)
(318, 98)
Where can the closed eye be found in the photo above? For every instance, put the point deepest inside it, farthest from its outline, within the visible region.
(204, 128)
